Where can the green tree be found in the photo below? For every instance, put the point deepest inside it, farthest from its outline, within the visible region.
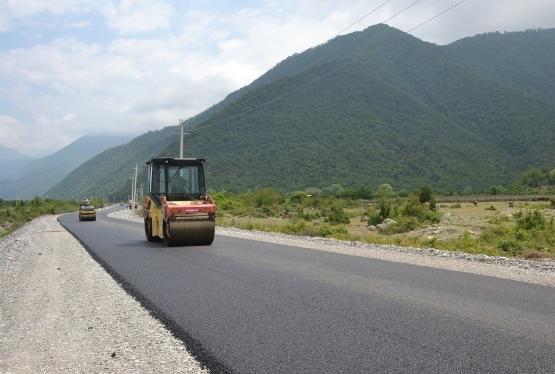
(533, 177)
(385, 191)
(425, 194)
(334, 190)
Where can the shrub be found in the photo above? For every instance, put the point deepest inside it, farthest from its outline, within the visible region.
(511, 247)
(498, 219)
(403, 224)
(267, 197)
(333, 190)
(413, 208)
(376, 217)
(425, 194)
(340, 232)
(268, 212)
(532, 220)
(358, 193)
(298, 197)
(298, 227)
(337, 216)
(433, 205)
(325, 231)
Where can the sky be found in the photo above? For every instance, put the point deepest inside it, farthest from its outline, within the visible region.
(70, 68)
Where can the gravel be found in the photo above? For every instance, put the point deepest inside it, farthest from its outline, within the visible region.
(538, 272)
(126, 214)
(60, 312)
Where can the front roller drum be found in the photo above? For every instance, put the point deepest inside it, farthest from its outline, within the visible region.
(190, 232)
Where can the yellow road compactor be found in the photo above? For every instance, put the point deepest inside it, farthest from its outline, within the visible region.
(177, 208)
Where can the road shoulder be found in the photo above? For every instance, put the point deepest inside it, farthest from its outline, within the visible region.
(61, 312)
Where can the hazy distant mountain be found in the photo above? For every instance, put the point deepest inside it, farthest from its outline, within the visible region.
(117, 166)
(39, 175)
(363, 109)
(12, 163)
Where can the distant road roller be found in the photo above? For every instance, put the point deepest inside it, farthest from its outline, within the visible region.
(177, 208)
(87, 212)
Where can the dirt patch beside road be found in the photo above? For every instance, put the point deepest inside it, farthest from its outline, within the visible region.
(61, 312)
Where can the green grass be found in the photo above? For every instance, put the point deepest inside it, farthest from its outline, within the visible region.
(530, 233)
(496, 240)
(14, 214)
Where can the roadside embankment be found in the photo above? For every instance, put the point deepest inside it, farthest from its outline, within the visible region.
(538, 272)
(61, 312)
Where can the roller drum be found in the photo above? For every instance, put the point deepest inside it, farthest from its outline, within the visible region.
(192, 232)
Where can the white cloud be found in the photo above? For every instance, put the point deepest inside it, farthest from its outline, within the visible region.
(14, 10)
(79, 25)
(32, 140)
(475, 17)
(138, 16)
(66, 88)
(4, 22)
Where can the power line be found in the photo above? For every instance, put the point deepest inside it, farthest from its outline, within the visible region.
(286, 93)
(364, 17)
(323, 75)
(340, 32)
(437, 15)
(340, 66)
(402, 10)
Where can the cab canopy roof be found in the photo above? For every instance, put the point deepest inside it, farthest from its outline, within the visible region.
(176, 161)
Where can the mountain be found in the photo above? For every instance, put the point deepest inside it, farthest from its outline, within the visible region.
(12, 163)
(109, 171)
(39, 175)
(371, 107)
(521, 60)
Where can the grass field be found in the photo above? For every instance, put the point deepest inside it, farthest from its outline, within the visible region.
(516, 228)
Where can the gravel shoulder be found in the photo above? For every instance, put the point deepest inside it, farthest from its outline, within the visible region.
(60, 312)
(537, 272)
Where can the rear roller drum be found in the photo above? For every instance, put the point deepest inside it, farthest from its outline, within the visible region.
(189, 233)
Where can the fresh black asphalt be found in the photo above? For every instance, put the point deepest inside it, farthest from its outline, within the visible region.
(253, 307)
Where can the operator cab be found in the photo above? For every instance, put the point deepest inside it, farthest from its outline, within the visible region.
(178, 179)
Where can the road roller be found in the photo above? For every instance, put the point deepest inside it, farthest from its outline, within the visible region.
(177, 208)
(87, 213)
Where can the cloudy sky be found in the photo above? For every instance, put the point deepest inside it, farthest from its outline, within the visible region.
(74, 67)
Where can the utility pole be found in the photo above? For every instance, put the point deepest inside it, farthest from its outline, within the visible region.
(135, 186)
(132, 200)
(181, 138)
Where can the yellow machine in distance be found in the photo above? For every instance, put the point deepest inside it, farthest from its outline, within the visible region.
(87, 213)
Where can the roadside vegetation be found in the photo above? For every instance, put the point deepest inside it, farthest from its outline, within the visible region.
(385, 216)
(15, 213)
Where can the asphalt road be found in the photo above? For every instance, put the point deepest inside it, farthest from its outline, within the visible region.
(255, 307)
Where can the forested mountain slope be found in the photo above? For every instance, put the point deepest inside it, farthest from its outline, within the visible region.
(521, 60)
(367, 108)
